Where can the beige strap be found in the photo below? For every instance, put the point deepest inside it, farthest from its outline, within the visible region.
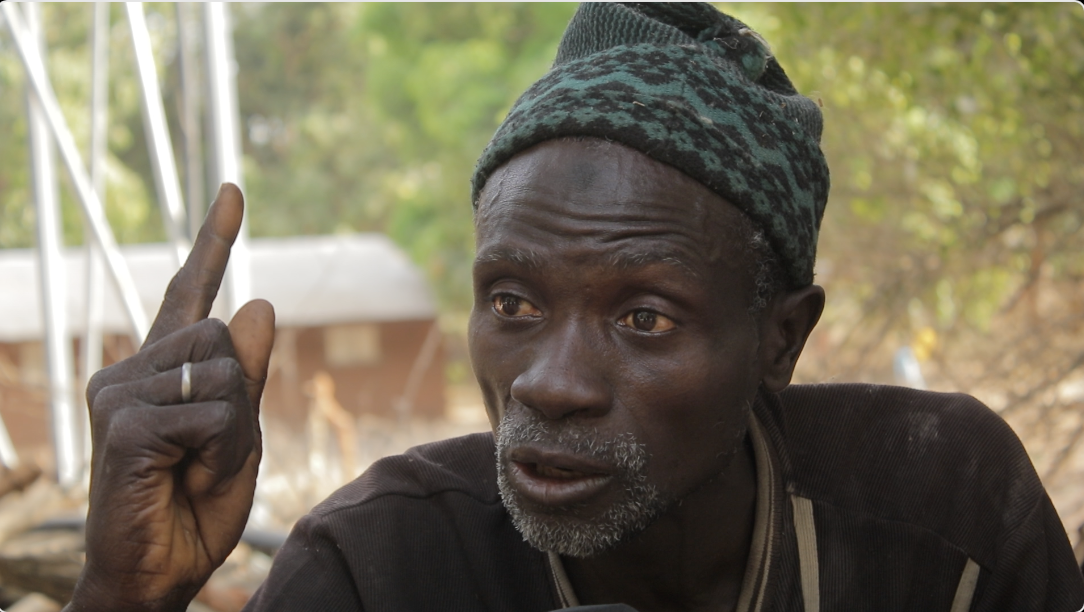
(806, 533)
(560, 578)
(758, 565)
(966, 589)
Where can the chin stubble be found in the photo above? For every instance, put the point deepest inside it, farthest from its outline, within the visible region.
(569, 530)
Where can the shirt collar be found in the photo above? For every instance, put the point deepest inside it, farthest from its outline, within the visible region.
(766, 525)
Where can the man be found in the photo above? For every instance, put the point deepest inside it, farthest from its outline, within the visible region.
(646, 223)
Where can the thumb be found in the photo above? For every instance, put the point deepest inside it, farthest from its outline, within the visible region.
(252, 331)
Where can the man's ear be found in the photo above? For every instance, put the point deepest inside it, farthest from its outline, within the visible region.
(784, 329)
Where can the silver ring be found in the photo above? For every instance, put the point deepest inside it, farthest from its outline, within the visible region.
(186, 382)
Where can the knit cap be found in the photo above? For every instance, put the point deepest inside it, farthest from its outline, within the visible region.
(693, 88)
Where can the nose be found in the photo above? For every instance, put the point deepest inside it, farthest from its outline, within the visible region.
(566, 375)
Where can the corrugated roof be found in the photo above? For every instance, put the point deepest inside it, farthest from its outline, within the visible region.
(311, 280)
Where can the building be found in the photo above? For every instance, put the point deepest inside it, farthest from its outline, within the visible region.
(352, 306)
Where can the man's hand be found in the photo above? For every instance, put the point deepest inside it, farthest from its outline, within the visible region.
(172, 481)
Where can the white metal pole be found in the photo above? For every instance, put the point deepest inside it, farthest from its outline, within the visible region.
(92, 206)
(188, 34)
(158, 140)
(99, 124)
(53, 280)
(222, 78)
(8, 456)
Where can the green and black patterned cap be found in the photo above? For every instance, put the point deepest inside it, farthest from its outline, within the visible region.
(693, 88)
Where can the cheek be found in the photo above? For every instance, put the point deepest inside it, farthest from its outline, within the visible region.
(490, 361)
(692, 414)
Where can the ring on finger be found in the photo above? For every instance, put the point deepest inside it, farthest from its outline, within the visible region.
(186, 382)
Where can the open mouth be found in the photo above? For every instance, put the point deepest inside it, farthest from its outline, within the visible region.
(549, 471)
(554, 480)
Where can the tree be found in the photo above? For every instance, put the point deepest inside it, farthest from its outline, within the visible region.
(371, 117)
(129, 206)
(955, 220)
(954, 133)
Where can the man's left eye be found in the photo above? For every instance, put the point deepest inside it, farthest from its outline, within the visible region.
(514, 306)
(647, 321)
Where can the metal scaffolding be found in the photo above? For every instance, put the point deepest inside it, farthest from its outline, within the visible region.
(158, 141)
(53, 281)
(92, 345)
(49, 130)
(226, 139)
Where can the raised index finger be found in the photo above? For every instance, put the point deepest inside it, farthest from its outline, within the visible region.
(193, 289)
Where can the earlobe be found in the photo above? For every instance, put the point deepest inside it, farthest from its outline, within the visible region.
(784, 330)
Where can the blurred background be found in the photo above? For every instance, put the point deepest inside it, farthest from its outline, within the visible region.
(952, 249)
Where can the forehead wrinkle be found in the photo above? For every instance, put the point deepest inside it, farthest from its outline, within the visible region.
(621, 260)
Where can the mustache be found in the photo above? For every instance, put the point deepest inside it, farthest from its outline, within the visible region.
(522, 426)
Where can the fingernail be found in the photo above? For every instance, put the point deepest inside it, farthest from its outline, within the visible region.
(221, 188)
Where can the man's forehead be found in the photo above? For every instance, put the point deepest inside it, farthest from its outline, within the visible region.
(593, 170)
(619, 260)
(589, 179)
(646, 211)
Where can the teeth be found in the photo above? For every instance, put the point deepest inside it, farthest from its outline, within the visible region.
(556, 472)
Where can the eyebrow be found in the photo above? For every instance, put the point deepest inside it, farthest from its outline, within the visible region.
(639, 259)
(521, 257)
(619, 261)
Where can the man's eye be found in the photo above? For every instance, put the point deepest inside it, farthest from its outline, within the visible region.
(513, 306)
(647, 321)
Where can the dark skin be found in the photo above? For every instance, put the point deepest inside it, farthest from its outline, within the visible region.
(610, 290)
(172, 483)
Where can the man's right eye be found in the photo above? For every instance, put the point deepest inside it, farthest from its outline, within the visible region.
(514, 306)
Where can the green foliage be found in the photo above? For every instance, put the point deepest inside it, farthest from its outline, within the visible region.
(372, 116)
(129, 206)
(954, 133)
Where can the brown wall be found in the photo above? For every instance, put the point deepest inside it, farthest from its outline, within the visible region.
(365, 388)
(370, 387)
(22, 406)
(24, 391)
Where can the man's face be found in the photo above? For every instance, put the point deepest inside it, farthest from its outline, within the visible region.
(611, 337)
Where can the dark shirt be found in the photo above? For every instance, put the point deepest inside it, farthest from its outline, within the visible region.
(869, 498)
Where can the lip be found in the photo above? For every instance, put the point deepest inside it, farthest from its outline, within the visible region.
(527, 474)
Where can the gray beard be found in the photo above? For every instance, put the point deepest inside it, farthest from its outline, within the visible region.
(565, 530)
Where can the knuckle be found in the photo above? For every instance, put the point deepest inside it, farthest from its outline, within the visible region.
(132, 443)
(216, 326)
(109, 399)
(117, 430)
(223, 370)
(220, 378)
(173, 299)
(227, 415)
(231, 369)
(100, 380)
(214, 331)
(208, 339)
(130, 369)
(219, 421)
(119, 372)
(175, 283)
(234, 378)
